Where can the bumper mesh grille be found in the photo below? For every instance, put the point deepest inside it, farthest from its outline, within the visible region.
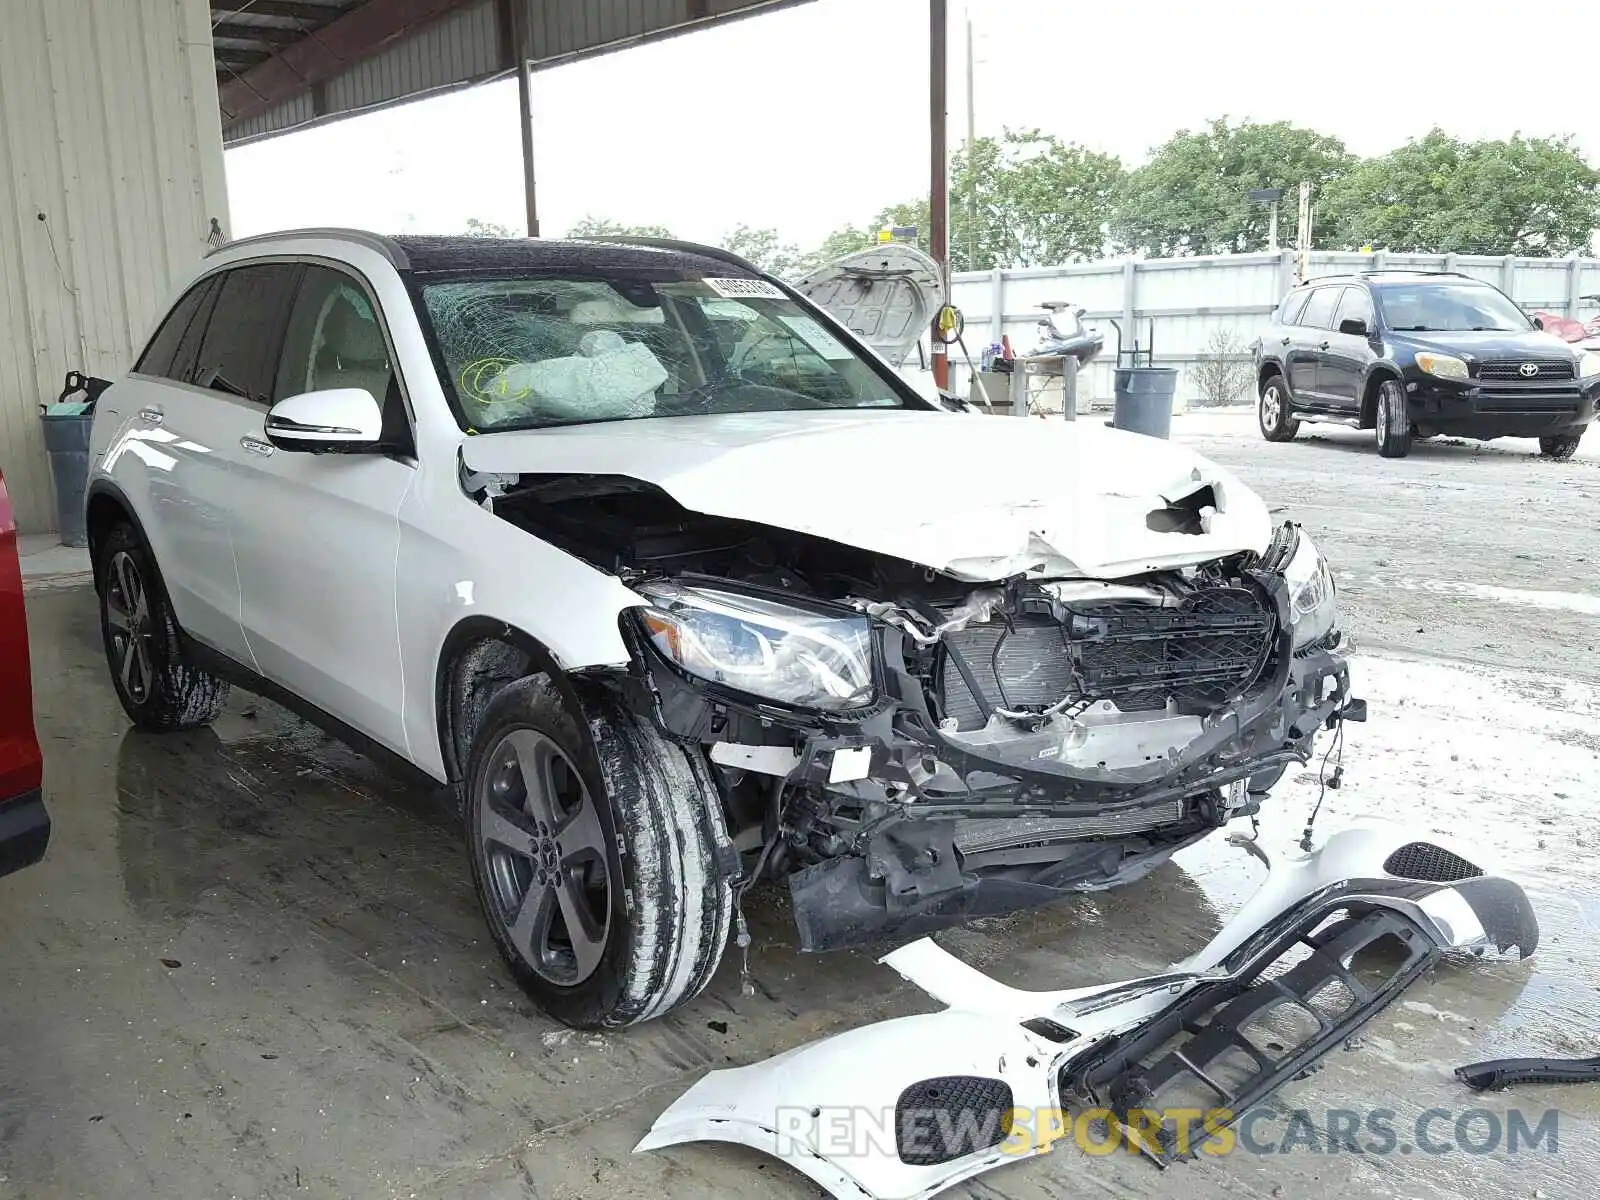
(1432, 864)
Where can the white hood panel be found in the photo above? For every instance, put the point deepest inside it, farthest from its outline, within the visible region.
(980, 498)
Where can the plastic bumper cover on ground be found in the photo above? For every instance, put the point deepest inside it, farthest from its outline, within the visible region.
(852, 1112)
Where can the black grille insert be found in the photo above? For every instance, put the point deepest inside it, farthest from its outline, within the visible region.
(1543, 370)
(943, 1119)
(1203, 654)
(1432, 864)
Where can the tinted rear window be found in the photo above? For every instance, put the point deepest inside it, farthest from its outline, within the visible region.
(1291, 308)
(1319, 309)
(158, 355)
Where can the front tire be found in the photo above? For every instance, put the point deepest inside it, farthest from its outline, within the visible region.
(1393, 422)
(1274, 413)
(1561, 447)
(157, 685)
(598, 856)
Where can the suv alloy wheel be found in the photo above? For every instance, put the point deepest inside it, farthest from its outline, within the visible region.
(1393, 422)
(1274, 413)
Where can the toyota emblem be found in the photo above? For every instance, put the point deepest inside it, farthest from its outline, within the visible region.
(1529, 370)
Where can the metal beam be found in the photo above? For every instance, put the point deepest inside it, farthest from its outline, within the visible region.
(297, 10)
(939, 191)
(360, 33)
(266, 35)
(239, 60)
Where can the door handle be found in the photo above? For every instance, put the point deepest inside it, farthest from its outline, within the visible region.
(1284, 341)
(1324, 346)
(152, 415)
(254, 445)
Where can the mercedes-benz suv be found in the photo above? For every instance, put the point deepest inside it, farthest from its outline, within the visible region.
(679, 586)
(1417, 353)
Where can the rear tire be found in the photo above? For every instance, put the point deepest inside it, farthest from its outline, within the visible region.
(599, 857)
(1274, 413)
(1393, 422)
(1560, 448)
(159, 688)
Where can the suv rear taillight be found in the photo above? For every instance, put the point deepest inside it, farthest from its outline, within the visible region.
(20, 769)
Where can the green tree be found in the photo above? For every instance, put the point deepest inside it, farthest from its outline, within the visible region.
(765, 249)
(488, 229)
(1021, 200)
(1190, 198)
(835, 246)
(1439, 194)
(604, 227)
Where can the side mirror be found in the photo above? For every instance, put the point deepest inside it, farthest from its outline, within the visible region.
(336, 421)
(1354, 326)
(1538, 322)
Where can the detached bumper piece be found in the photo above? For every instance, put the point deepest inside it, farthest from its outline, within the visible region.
(903, 1109)
(1239, 1038)
(1500, 1073)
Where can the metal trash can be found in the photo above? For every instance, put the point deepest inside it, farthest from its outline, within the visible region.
(66, 438)
(1144, 400)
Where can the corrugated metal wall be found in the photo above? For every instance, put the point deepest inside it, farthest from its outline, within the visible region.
(1190, 300)
(110, 174)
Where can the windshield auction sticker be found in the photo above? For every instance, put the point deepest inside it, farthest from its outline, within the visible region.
(745, 289)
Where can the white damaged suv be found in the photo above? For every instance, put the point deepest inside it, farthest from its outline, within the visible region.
(680, 587)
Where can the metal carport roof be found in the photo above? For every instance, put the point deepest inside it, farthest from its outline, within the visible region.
(286, 64)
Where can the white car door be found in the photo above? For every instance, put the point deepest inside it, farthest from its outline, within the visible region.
(168, 457)
(317, 535)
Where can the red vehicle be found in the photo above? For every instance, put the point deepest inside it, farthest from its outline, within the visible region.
(24, 824)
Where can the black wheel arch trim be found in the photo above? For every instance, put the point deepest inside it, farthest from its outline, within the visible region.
(542, 661)
(107, 490)
(1377, 375)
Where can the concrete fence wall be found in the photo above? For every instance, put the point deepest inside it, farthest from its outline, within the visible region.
(1186, 301)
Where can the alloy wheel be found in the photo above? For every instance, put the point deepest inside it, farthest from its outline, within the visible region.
(1271, 407)
(546, 850)
(127, 609)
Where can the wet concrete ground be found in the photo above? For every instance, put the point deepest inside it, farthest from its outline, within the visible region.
(252, 964)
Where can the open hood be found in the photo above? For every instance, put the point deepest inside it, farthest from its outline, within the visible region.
(887, 296)
(980, 499)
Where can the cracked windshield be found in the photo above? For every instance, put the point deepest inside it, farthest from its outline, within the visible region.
(529, 353)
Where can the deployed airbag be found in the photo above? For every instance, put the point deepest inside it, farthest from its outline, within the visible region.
(609, 379)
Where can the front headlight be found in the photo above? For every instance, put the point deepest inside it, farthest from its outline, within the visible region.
(762, 647)
(1589, 365)
(1445, 366)
(1311, 593)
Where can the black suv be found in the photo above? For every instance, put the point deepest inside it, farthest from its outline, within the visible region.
(1417, 353)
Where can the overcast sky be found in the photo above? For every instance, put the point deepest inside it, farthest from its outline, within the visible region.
(814, 117)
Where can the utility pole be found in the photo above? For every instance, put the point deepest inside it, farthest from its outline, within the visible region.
(519, 38)
(1303, 234)
(939, 198)
(972, 141)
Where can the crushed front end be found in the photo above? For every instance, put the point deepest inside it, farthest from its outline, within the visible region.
(916, 751)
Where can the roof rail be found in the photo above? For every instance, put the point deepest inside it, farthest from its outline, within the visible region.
(716, 252)
(1413, 271)
(372, 241)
